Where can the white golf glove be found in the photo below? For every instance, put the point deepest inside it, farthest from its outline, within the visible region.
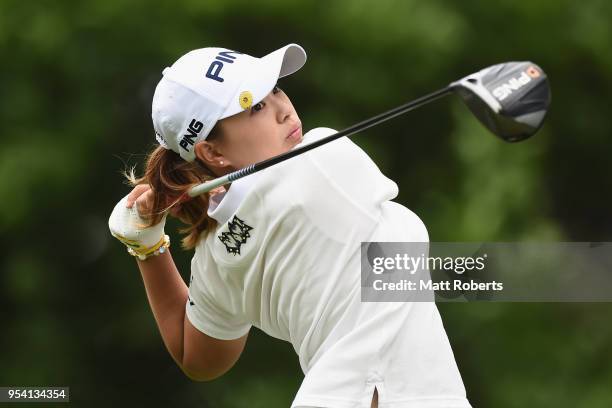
(127, 226)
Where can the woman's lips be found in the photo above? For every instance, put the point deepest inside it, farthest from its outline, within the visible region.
(296, 134)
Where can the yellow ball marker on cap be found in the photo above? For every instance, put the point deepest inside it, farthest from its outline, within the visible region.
(245, 99)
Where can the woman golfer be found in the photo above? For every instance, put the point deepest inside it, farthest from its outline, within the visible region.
(280, 249)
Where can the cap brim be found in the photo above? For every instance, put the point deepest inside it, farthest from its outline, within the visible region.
(265, 73)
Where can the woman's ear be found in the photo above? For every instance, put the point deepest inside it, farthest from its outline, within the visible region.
(209, 154)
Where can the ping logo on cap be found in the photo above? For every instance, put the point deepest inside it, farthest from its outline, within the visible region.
(214, 70)
(194, 128)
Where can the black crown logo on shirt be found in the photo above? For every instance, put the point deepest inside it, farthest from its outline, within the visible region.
(236, 236)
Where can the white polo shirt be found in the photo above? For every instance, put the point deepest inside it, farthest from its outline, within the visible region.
(285, 258)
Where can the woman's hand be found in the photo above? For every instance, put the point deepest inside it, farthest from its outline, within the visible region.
(142, 196)
(128, 222)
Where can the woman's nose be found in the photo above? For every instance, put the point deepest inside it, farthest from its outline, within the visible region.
(283, 108)
(284, 112)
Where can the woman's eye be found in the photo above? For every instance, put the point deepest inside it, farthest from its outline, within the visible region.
(257, 107)
(276, 89)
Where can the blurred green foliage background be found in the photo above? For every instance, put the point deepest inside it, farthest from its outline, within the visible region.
(76, 87)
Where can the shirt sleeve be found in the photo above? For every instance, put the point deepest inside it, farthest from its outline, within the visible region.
(211, 307)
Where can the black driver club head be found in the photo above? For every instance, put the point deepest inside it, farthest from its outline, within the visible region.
(510, 99)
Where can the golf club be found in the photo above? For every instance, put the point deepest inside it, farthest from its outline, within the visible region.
(511, 99)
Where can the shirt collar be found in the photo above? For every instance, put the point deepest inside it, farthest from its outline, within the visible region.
(223, 205)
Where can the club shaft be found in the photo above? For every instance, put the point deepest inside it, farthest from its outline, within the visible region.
(358, 127)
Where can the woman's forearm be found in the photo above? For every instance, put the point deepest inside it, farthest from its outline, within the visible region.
(167, 294)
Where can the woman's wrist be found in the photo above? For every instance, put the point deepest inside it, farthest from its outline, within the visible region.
(145, 253)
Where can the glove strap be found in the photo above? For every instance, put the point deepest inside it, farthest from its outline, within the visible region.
(143, 253)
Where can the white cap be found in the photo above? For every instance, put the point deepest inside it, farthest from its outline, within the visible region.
(210, 84)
